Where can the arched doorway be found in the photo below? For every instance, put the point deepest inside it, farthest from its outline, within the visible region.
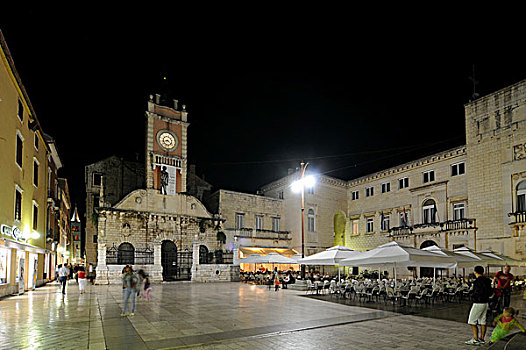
(427, 271)
(169, 260)
(126, 254)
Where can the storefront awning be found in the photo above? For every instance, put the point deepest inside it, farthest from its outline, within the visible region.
(264, 251)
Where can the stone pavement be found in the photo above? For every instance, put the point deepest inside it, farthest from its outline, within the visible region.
(212, 316)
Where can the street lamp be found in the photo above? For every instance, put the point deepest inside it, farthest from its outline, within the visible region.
(299, 186)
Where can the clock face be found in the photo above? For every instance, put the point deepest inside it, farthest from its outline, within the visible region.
(167, 140)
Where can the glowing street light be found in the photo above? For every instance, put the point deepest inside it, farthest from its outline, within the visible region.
(299, 186)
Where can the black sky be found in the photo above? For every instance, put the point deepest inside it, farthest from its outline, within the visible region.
(254, 112)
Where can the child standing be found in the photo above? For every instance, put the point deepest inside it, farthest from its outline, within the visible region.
(146, 281)
(504, 323)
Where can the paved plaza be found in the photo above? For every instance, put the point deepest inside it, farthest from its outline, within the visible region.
(213, 316)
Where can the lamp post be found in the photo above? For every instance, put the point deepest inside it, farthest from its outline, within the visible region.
(299, 186)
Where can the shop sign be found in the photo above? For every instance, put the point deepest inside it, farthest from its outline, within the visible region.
(12, 232)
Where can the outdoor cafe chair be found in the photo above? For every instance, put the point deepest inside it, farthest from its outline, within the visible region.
(310, 287)
(410, 295)
(422, 296)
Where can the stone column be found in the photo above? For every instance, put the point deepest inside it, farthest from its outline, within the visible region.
(195, 257)
(235, 253)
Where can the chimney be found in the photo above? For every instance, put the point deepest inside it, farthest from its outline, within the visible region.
(157, 99)
(176, 104)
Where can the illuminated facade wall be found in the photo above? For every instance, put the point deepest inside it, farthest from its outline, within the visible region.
(23, 184)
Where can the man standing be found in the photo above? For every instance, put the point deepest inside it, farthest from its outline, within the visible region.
(482, 291)
(130, 283)
(504, 280)
(63, 273)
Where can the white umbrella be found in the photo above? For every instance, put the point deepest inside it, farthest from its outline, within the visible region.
(506, 260)
(330, 256)
(485, 259)
(252, 259)
(396, 254)
(275, 258)
(462, 260)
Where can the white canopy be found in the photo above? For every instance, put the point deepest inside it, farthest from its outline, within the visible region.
(462, 260)
(396, 254)
(506, 260)
(275, 258)
(485, 260)
(330, 256)
(252, 259)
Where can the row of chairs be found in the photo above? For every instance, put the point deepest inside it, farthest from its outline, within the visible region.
(368, 293)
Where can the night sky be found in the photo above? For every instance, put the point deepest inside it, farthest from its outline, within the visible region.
(253, 112)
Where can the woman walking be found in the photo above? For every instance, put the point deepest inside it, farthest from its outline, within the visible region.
(82, 279)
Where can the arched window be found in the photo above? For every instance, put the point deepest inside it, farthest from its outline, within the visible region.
(521, 196)
(203, 254)
(126, 254)
(310, 221)
(429, 210)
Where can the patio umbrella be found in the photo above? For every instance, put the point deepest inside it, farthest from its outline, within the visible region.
(397, 255)
(506, 260)
(275, 258)
(252, 259)
(462, 260)
(330, 256)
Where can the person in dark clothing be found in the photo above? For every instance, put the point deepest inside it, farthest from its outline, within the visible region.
(482, 291)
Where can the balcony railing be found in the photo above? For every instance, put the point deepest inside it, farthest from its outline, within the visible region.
(519, 217)
(260, 233)
(433, 227)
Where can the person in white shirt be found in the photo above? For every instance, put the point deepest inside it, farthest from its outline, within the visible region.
(63, 273)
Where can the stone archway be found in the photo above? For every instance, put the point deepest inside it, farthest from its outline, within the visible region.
(169, 260)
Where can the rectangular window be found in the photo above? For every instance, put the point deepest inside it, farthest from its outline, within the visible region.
(458, 169)
(259, 222)
(310, 190)
(370, 225)
(521, 203)
(240, 221)
(429, 176)
(19, 149)
(403, 183)
(35, 172)
(386, 222)
(35, 216)
(20, 112)
(386, 187)
(355, 227)
(36, 141)
(95, 237)
(18, 205)
(459, 211)
(355, 195)
(97, 179)
(429, 214)
(280, 195)
(275, 224)
(369, 191)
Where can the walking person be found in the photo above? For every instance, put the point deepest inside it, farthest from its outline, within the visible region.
(91, 273)
(146, 282)
(81, 275)
(504, 280)
(130, 283)
(276, 279)
(63, 273)
(482, 291)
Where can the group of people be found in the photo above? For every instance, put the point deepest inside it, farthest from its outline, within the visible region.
(131, 287)
(78, 272)
(483, 292)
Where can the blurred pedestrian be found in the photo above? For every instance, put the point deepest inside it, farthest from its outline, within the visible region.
(81, 275)
(146, 284)
(130, 283)
(91, 273)
(63, 273)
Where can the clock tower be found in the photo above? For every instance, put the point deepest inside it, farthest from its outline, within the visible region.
(166, 152)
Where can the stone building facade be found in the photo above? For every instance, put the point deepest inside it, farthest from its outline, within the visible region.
(119, 177)
(251, 222)
(416, 203)
(328, 197)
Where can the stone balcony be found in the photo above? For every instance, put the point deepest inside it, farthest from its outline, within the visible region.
(450, 226)
(259, 234)
(518, 222)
